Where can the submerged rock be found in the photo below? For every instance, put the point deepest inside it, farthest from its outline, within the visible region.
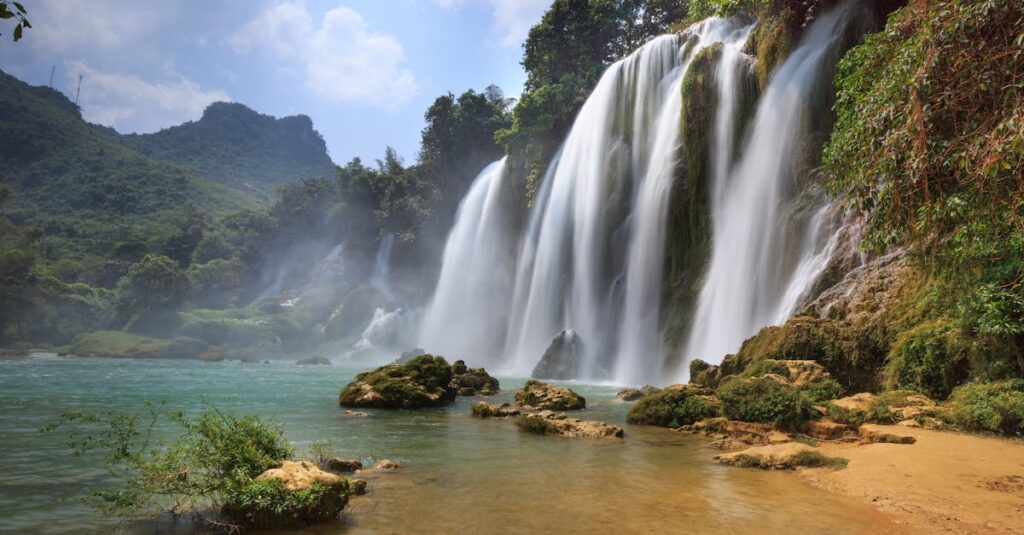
(422, 382)
(482, 409)
(472, 381)
(386, 464)
(300, 475)
(538, 395)
(633, 394)
(551, 423)
(562, 358)
(314, 361)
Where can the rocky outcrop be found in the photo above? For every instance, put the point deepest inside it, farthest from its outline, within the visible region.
(552, 423)
(886, 408)
(482, 409)
(728, 434)
(337, 464)
(300, 475)
(633, 394)
(704, 374)
(675, 406)
(561, 359)
(472, 381)
(295, 493)
(422, 382)
(784, 456)
(536, 395)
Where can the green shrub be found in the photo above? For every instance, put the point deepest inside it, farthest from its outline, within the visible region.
(763, 399)
(213, 461)
(989, 407)
(930, 358)
(674, 406)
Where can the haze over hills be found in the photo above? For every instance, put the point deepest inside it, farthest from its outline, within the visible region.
(241, 148)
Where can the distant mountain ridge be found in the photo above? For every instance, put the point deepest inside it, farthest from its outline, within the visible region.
(236, 146)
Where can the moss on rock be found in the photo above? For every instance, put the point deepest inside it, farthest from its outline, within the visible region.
(989, 407)
(768, 398)
(472, 381)
(538, 395)
(119, 344)
(675, 406)
(422, 382)
(931, 358)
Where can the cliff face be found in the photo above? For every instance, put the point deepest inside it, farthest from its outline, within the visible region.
(241, 148)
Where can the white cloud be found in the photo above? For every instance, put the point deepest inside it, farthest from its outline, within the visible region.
(342, 58)
(512, 19)
(131, 104)
(111, 24)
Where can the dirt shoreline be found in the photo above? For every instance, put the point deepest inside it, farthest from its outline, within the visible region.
(943, 483)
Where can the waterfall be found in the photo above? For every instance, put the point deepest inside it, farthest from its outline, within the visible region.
(466, 318)
(592, 259)
(381, 265)
(388, 330)
(767, 248)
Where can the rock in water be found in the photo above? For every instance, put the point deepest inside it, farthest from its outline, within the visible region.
(386, 464)
(482, 409)
(562, 358)
(337, 464)
(309, 495)
(422, 382)
(472, 381)
(550, 423)
(538, 395)
(633, 394)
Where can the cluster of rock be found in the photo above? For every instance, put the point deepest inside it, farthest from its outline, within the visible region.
(535, 411)
(315, 360)
(424, 381)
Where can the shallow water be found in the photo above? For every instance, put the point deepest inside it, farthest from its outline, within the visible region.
(462, 475)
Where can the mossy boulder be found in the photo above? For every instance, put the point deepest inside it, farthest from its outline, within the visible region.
(988, 407)
(633, 394)
(482, 409)
(767, 398)
(293, 494)
(538, 395)
(885, 408)
(704, 374)
(807, 376)
(781, 457)
(931, 358)
(472, 381)
(675, 406)
(422, 382)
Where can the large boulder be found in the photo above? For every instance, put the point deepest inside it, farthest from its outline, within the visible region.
(472, 381)
(536, 395)
(562, 358)
(551, 423)
(422, 382)
(297, 492)
(675, 406)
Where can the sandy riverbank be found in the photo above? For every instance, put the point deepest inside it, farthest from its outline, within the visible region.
(943, 483)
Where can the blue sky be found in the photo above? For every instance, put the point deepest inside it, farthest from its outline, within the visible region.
(364, 70)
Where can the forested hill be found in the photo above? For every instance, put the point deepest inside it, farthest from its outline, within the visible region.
(71, 180)
(237, 146)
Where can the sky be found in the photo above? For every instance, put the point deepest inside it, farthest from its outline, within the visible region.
(364, 70)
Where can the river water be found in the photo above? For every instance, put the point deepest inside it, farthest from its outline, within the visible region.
(462, 474)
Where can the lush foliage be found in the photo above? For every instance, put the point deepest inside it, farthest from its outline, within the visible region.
(989, 407)
(235, 145)
(673, 407)
(17, 12)
(564, 56)
(212, 463)
(763, 399)
(929, 144)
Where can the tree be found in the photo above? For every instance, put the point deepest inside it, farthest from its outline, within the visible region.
(18, 14)
(153, 284)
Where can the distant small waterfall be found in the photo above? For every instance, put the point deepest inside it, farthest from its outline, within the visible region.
(467, 315)
(754, 278)
(382, 265)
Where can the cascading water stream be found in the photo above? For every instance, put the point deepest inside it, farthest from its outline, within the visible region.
(468, 314)
(753, 279)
